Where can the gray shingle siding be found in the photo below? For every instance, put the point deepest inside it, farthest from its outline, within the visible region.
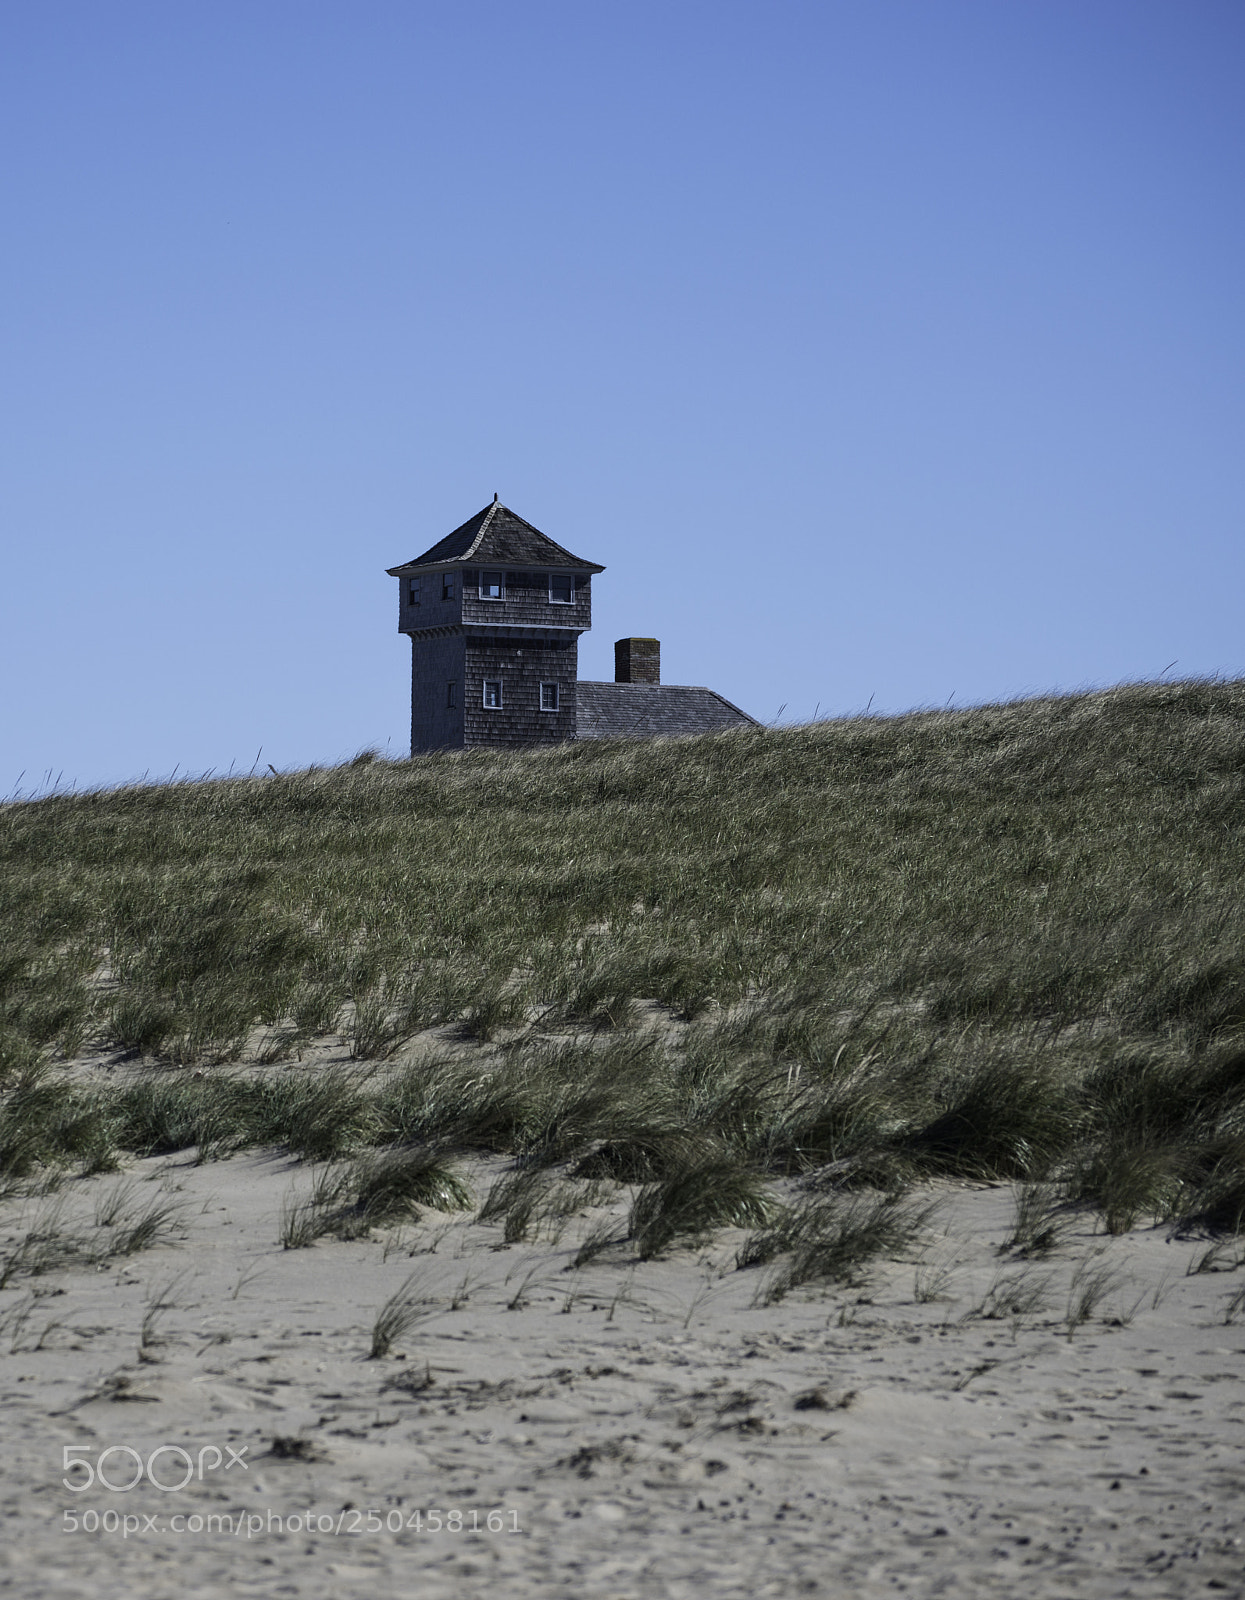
(649, 710)
(520, 666)
(527, 602)
(435, 662)
(432, 611)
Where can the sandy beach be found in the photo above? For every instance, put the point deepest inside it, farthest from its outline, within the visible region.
(963, 1423)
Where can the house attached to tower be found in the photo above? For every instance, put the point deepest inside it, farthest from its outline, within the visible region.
(494, 612)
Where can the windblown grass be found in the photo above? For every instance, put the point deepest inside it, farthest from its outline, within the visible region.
(1042, 1218)
(833, 1239)
(1004, 943)
(404, 1310)
(379, 1190)
(51, 1240)
(712, 1191)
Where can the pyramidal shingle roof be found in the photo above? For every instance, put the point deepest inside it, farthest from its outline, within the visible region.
(497, 534)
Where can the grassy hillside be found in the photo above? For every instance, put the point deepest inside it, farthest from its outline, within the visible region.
(1005, 941)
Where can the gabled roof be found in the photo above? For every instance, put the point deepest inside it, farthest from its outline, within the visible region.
(496, 534)
(651, 710)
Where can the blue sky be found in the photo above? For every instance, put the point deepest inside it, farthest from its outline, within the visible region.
(886, 352)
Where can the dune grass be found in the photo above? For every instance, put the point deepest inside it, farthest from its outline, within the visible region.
(404, 1310)
(832, 1239)
(378, 1190)
(1006, 942)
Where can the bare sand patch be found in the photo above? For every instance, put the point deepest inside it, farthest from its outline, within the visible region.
(631, 1430)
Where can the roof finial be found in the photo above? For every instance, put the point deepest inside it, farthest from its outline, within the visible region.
(495, 501)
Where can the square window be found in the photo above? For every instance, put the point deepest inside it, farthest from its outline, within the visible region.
(451, 695)
(561, 588)
(412, 591)
(447, 586)
(492, 586)
(492, 694)
(548, 697)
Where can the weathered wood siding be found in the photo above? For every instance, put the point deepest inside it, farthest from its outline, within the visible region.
(442, 652)
(521, 666)
(432, 611)
(436, 661)
(527, 603)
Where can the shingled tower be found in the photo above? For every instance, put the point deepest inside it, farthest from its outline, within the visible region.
(494, 612)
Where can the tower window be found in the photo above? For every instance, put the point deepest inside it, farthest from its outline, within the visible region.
(561, 588)
(492, 586)
(447, 586)
(548, 697)
(492, 694)
(412, 591)
(451, 695)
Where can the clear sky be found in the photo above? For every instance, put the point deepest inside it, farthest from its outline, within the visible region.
(883, 351)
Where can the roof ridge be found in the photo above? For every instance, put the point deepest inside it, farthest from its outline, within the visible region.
(488, 517)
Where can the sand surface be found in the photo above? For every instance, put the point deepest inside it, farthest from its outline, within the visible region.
(642, 1430)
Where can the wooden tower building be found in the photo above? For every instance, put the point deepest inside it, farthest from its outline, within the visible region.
(494, 612)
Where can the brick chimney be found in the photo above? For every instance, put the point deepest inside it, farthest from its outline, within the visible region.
(637, 661)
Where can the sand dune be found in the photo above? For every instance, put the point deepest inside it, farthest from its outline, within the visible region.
(633, 1430)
